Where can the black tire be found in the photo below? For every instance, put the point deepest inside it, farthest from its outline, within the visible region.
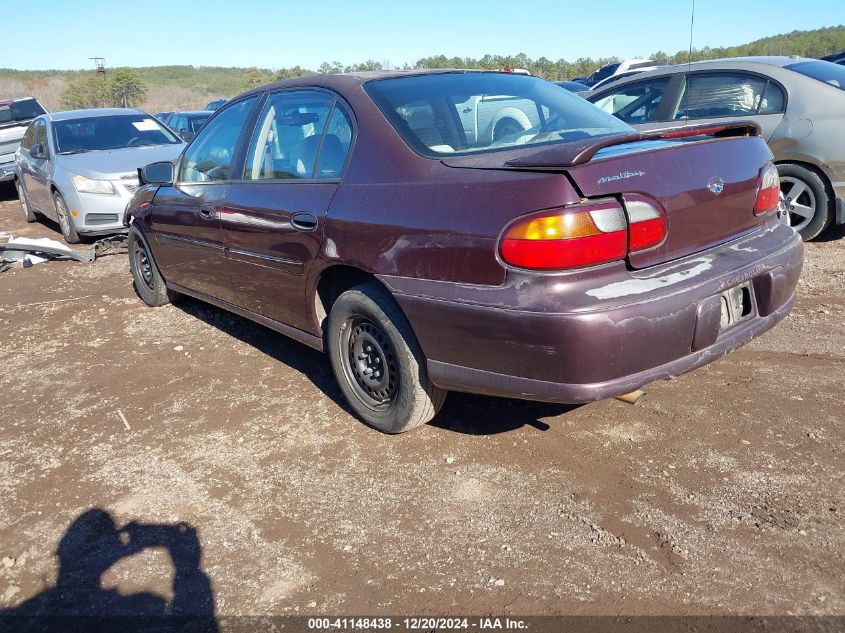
(28, 213)
(148, 282)
(366, 331)
(65, 221)
(814, 192)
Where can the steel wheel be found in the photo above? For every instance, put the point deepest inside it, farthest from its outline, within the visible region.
(371, 362)
(143, 264)
(64, 219)
(798, 201)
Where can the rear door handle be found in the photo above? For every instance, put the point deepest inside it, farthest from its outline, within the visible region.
(303, 221)
(208, 212)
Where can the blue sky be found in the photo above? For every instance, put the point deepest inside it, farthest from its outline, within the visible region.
(275, 34)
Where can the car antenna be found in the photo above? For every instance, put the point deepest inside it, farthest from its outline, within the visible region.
(689, 61)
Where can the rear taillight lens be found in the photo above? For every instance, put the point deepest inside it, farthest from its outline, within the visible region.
(647, 227)
(571, 237)
(768, 190)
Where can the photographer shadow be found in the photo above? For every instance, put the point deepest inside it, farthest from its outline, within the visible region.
(93, 544)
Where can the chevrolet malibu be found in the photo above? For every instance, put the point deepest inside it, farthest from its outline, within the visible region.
(569, 261)
(80, 167)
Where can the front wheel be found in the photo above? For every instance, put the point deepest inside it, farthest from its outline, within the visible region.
(378, 362)
(149, 284)
(65, 221)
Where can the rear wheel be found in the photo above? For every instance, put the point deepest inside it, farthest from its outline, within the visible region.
(149, 284)
(28, 213)
(65, 221)
(378, 362)
(805, 199)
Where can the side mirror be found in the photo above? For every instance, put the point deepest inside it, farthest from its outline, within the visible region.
(38, 151)
(156, 174)
(186, 135)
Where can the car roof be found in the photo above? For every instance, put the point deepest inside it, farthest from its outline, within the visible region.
(69, 115)
(341, 80)
(193, 112)
(4, 102)
(758, 63)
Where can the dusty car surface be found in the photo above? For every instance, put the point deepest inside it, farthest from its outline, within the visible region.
(798, 103)
(80, 167)
(569, 262)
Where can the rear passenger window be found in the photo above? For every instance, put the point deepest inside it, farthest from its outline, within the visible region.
(287, 137)
(29, 137)
(715, 95)
(335, 145)
(637, 102)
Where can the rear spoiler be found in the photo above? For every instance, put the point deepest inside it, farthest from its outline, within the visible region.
(579, 152)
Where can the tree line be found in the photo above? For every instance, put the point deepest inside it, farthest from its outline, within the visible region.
(128, 87)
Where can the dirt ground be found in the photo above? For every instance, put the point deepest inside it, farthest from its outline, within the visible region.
(722, 492)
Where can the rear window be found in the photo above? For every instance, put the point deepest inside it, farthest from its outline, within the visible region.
(196, 122)
(467, 113)
(827, 72)
(23, 110)
(110, 132)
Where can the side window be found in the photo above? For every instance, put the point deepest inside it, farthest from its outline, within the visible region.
(773, 100)
(336, 144)
(29, 138)
(287, 136)
(637, 102)
(209, 157)
(727, 94)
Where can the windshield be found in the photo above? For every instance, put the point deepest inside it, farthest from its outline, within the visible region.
(471, 112)
(827, 72)
(23, 110)
(110, 132)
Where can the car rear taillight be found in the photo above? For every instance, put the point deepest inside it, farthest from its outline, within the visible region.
(570, 237)
(768, 190)
(647, 226)
(584, 235)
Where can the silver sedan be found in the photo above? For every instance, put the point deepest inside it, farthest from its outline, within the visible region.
(799, 103)
(80, 168)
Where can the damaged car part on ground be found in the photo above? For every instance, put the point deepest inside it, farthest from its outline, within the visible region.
(33, 251)
(469, 231)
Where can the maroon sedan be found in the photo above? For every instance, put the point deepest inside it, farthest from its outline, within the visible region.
(470, 231)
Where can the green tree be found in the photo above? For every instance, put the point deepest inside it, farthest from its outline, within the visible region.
(125, 88)
(90, 91)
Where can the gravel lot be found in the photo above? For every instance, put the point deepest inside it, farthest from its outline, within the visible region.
(721, 492)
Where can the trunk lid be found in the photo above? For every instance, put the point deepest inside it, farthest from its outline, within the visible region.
(706, 186)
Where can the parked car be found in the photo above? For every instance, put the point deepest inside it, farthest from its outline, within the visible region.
(187, 124)
(572, 86)
(799, 104)
(80, 167)
(570, 262)
(836, 58)
(614, 78)
(163, 116)
(15, 117)
(216, 104)
(617, 68)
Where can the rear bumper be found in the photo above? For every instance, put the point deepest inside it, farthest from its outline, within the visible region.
(590, 335)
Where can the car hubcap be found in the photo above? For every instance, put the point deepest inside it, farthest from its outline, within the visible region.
(798, 201)
(371, 362)
(143, 264)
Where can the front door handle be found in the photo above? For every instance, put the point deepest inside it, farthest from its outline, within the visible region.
(208, 212)
(303, 221)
